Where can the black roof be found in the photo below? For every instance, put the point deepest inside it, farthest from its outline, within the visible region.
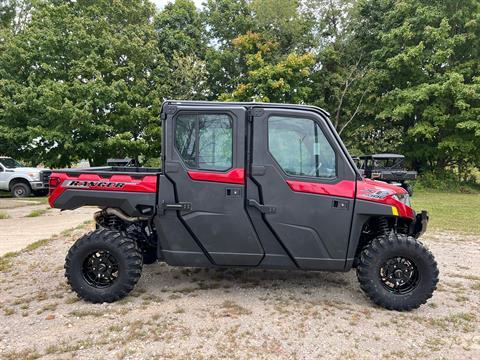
(247, 104)
(383, 156)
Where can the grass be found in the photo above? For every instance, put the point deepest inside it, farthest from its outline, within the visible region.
(450, 211)
(36, 213)
(3, 215)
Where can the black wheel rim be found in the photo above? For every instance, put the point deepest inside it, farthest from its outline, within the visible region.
(399, 275)
(100, 269)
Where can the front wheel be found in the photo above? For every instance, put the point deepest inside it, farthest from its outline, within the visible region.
(103, 266)
(20, 190)
(397, 272)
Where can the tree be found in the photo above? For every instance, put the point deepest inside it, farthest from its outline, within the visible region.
(285, 22)
(427, 84)
(14, 14)
(270, 78)
(224, 21)
(257, 54)
(180, 30)
(188, 78)
(337, 82)
(82, 80)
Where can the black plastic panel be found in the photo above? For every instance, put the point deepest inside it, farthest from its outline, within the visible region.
(72, 199)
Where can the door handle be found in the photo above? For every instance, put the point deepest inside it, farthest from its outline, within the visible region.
(181, 206)
(340, 204)
(264, 209)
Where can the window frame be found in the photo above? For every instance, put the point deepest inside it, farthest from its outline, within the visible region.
(322, 179)
(197, 137)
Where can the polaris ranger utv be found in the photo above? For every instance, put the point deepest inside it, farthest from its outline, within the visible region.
(246, 185)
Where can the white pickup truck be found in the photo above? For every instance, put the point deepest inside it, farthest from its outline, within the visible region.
(20, 180)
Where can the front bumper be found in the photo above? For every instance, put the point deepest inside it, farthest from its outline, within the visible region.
(38, 185)
(419, 226)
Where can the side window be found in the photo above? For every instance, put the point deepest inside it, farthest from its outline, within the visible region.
(205, 141)
(300, 147)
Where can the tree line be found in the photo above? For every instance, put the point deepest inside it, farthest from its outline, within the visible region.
(85, 79)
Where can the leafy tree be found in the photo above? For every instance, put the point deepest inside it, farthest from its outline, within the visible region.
(262, 54)
(224, 21)
(82, 80)
(285, 22)
(180, 30)
(14, 14)
(337, 83)
(269, 80)
(427, 84)
(187, 79)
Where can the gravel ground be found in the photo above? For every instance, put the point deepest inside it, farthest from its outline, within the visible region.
(197, 313)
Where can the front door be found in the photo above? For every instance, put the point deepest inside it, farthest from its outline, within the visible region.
(306, 186)
(205, 160)
(3, 178)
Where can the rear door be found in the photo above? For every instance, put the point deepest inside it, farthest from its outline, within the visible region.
(306, 186)
(205, 160)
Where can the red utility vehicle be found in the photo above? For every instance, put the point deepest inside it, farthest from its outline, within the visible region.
(246, 185)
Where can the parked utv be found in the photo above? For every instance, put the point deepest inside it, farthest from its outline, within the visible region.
(246, 185)
(388, 168)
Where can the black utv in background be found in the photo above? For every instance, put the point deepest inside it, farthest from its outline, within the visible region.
(388, 168)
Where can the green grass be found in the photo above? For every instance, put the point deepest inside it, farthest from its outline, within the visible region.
(36, 213)
(450, 211)
(3, 215)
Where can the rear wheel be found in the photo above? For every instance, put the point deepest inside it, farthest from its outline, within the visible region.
(397, 272)
(103, 266)
(20, 190)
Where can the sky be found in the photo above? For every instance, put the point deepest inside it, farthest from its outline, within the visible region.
(161, 3)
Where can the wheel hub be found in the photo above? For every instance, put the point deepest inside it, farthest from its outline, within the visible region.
(399, 275)
(100, 269)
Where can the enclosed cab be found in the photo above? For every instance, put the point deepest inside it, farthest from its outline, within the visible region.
(246, 185)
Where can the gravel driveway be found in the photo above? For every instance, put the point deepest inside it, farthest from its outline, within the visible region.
(197, 313)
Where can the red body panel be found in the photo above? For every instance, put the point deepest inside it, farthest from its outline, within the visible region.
(344, 188)
(369, 190)
(234, 176)
(63, 181)
(365, 189)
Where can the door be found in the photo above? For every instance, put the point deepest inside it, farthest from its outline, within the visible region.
(306, 186)
(205, 160)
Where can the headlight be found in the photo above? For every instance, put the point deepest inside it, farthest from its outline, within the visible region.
(35, 176)
(403, 198)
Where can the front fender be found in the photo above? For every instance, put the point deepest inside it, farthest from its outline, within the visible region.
(18, 177)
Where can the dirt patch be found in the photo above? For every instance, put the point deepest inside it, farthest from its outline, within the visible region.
(14, 203)
(237, 313)
(30, 223)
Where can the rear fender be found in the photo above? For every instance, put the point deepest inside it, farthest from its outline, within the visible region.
(135, 196)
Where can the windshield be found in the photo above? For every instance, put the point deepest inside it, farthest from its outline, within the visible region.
(10, 163)
(387, 163)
